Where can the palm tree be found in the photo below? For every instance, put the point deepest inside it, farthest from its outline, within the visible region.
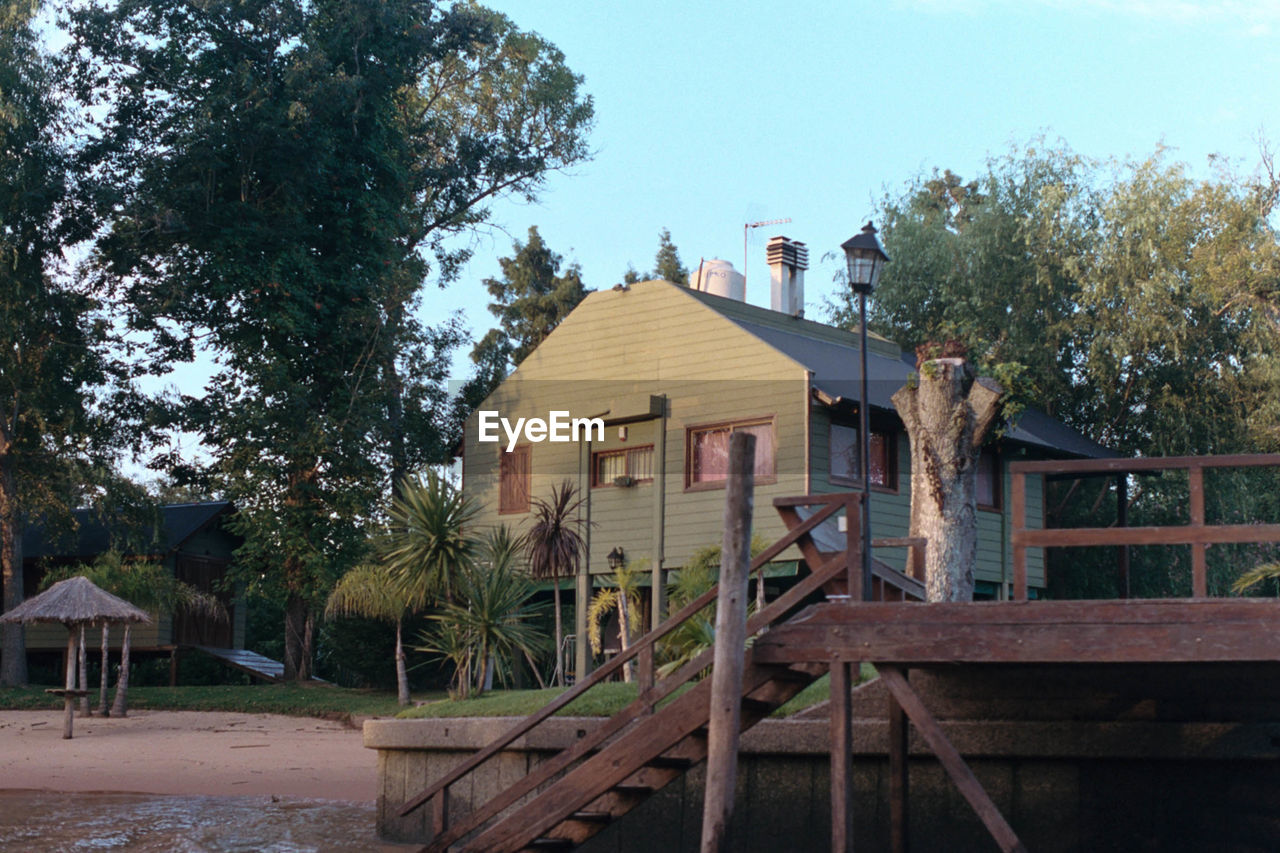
(554, 546)
(428, 547)
(371, 591)
(490, 623)
(623, 596)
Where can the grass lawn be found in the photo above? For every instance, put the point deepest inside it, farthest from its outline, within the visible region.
(290, 699)
(601, 701)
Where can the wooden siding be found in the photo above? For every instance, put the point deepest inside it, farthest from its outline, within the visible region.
(891, 511)
(710, 371)
(212, 541)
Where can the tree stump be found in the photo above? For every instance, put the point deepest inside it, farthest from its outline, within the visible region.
(948, 414)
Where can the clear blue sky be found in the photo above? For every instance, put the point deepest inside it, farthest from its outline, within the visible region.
(710, 115)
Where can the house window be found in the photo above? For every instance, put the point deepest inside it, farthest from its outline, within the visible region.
(635, 463)
(708, 452)
(513, 480)
(988, 488)
(845, 454)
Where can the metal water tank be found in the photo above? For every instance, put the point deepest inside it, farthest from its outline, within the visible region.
(719, 278)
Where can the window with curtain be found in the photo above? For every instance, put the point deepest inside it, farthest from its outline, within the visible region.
(708, 451)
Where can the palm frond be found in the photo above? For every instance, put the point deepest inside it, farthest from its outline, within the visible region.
(1255, 576)
(428, 546)
(555, 541)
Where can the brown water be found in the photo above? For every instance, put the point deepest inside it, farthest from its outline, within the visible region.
(37, 821)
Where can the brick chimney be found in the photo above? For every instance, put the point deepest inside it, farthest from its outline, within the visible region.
(788, 259)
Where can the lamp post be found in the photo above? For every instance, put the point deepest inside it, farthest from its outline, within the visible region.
(864, 259)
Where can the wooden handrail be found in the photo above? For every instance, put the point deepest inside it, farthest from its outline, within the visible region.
(1197, 533)
(546, 770)
(834, 502)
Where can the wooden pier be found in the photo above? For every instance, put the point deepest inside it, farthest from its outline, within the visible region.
(1115, 658)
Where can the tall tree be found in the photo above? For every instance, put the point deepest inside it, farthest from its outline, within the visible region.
(530, 300)
(55, 367)
(666, 264)
(290, 171)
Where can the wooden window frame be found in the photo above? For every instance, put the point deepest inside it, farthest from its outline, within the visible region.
(997, 483)
(616, 451)
(891, 458)
(770, 420)
(506, 458)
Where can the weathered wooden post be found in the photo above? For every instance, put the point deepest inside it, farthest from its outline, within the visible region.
(725, 716)
(68, 698)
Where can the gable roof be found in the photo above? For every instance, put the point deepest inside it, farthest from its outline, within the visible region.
(832, 357)
(93, 536)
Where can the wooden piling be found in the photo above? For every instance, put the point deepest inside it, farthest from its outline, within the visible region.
(725, 715)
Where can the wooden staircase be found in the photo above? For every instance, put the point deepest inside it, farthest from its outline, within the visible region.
(572, 796)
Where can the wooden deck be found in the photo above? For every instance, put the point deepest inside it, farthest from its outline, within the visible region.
(1075, 632)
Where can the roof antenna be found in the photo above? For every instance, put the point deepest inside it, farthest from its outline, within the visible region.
(745, 229)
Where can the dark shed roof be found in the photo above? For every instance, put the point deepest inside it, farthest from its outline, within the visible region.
(93, 536)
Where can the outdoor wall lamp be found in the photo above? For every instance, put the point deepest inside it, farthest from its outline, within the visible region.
(617, 559)
(864, 259)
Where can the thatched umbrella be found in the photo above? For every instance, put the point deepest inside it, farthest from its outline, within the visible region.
(74, 602)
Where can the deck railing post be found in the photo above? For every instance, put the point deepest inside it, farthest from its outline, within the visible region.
(1019, 510)
(1199, 583)
(644, 669)
(899, 778)
(841, 758)
(724, 716)
(853, 548)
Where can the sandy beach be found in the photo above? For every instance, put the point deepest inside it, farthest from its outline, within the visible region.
(187, 753)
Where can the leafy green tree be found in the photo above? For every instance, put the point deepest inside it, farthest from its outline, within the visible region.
(372, 592)
(492, 623)
(289, 171)
(530, 300)
(666, 264)
(624, 597)
(554, 545)
(62, 411)
(993, 263)
(429, 547)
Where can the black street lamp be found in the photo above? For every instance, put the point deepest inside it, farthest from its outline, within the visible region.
(617, 559)
(864, 259)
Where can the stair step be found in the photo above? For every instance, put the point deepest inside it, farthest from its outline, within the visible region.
(632, 790)
(674, 762)
(786, 673)
(591, 817)
(550, 844)
(757, 706)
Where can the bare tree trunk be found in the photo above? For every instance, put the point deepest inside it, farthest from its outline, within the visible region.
(558, 675)
(83, 657)
(402, 674)
(13, 648)
(106, 660)
(120, 707)
(297, 638)
(947, 416)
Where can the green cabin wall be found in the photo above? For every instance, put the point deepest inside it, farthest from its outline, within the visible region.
(210, 541)
(675, 345)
